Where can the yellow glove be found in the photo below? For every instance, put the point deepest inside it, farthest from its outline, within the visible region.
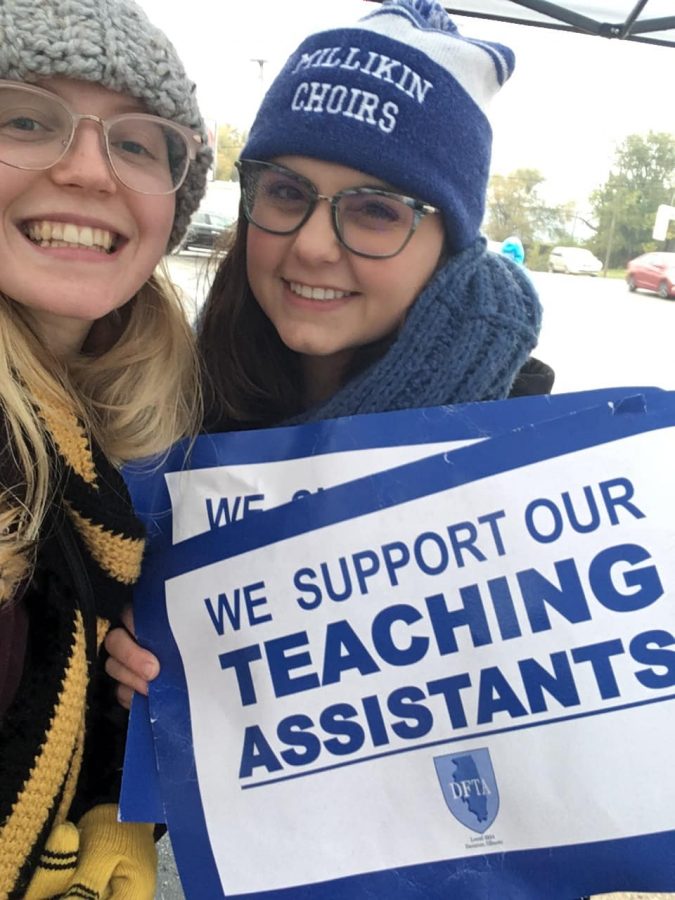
(117, 860)
(103, 859)
(57, 863)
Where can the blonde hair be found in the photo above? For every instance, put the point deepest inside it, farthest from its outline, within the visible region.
(135, 387)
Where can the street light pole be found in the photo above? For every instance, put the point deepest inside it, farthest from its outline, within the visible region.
(261, 71)
(610, 241)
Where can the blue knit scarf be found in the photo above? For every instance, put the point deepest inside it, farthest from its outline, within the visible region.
(464, 339)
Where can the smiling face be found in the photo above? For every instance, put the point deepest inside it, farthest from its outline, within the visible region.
(323, 300)
(75, 243)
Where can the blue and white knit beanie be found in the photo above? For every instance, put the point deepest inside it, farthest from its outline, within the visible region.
(401, 96)
(112, 43)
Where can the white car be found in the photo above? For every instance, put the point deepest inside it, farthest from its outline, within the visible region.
(574, 261)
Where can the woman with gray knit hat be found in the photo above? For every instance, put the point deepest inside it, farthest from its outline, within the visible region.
(102, 161)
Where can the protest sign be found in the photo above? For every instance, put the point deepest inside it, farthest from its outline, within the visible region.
(453, 673)
(234, 475)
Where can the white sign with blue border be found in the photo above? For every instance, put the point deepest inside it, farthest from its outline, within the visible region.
(451, 677)
(230, 476)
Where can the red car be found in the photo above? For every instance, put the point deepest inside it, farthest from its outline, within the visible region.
(653, 272)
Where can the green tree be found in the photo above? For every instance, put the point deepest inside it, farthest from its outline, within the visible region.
(230, 143)
(515, 206)
(643, 177)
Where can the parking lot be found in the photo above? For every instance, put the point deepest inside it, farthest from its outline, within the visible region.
(595, 334)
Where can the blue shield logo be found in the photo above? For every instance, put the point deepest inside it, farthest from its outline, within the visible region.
(470, 788)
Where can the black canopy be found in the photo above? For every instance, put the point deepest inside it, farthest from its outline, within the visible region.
(650, 21)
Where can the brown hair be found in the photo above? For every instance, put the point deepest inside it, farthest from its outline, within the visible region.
(251, 379)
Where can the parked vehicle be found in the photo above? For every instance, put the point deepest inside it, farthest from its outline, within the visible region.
(653, 272)
(204, 230)
(574, 261)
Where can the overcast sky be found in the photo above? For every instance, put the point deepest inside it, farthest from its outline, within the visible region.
(571, 100)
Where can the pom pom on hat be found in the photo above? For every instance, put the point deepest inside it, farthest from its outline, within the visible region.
(111, 43)
(402, 96)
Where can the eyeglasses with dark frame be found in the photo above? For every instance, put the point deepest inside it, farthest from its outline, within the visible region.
(371, 222)
(146, 153)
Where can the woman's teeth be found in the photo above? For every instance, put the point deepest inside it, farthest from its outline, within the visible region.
(65, 234)
(316, 293)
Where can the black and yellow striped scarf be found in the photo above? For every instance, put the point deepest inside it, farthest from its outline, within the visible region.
(88, 558)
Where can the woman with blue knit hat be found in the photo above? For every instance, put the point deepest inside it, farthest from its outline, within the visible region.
(357, 280)
(103, 159)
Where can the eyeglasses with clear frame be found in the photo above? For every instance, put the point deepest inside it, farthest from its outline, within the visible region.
(146, 153)
(371, 222)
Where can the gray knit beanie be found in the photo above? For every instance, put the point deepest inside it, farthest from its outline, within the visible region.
(112, 43)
